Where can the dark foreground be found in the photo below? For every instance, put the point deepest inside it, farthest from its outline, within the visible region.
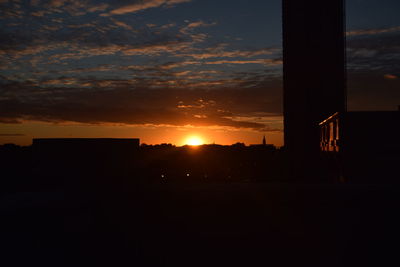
(241, 224)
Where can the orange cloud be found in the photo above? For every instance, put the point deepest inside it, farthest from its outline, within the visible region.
(145, 5)
(268, 62)
(390, 76)
(372, 31)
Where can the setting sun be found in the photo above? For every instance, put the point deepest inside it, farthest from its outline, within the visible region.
(194, 141)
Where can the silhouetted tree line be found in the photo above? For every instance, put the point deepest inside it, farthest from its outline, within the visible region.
(208, 163)
(91, 166)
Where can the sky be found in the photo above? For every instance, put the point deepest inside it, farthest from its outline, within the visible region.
(164, 70)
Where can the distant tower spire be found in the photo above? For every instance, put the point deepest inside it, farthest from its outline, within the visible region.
(264, 141)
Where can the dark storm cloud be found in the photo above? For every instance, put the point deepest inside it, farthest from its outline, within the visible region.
(172, 106)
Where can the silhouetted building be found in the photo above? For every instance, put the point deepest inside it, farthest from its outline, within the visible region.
(366, 143)
(314, 72)
(263, 144)
(84, 151)
(78, 144)
(85, 162)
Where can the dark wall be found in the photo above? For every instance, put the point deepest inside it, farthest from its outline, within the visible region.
(371, 132)
(371, 147)
(314, 67)
(314, 70)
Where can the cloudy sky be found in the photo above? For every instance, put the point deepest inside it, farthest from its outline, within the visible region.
(163, 70)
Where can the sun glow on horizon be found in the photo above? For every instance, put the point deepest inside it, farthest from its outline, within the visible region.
(194, 141)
